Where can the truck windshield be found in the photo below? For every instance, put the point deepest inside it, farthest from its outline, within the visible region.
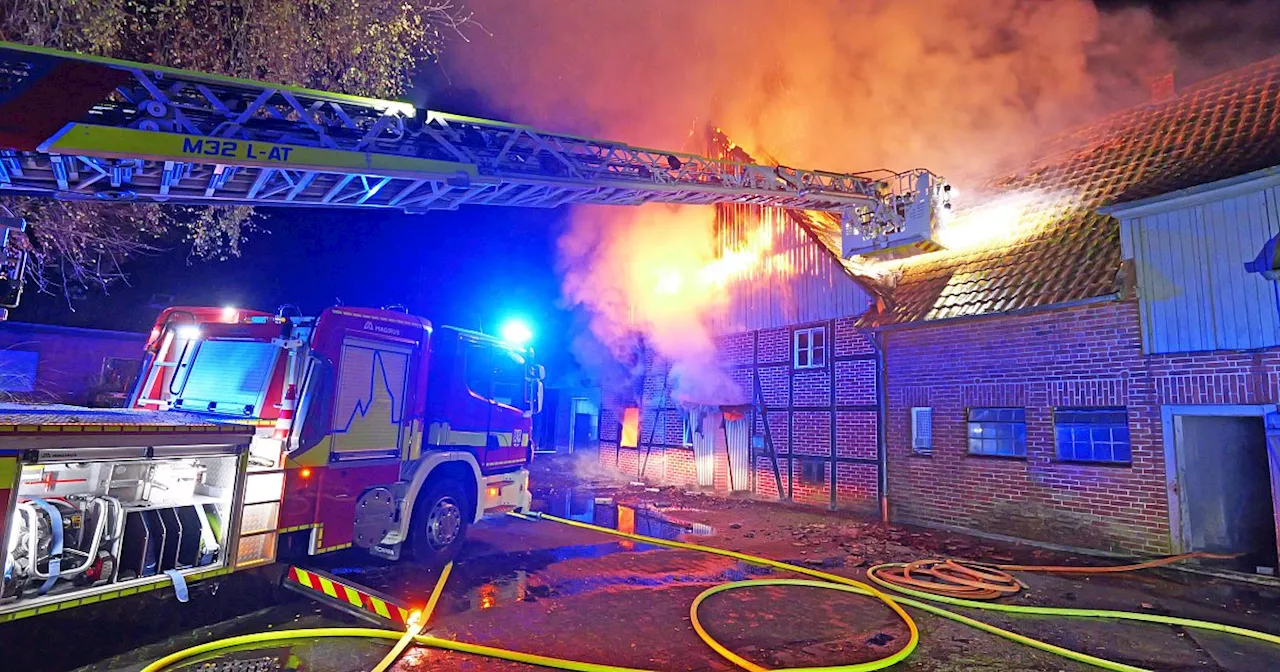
(225, 377)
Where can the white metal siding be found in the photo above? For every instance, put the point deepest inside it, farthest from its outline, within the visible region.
(796, 281)
(1194, 291)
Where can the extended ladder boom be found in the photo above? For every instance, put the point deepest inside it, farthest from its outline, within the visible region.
(73, 126)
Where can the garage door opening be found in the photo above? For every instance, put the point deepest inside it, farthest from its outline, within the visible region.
(1224, 488)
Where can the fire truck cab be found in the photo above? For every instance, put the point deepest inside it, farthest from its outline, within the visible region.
(381, 431)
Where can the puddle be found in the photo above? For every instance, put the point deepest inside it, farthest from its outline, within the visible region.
(484, 577)
(583, 506)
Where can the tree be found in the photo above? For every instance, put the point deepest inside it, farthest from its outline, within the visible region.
(370, 48)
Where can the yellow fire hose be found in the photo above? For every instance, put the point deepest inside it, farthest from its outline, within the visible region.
(827, 582)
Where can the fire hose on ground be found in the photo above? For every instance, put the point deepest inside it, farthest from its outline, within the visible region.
(967, 580)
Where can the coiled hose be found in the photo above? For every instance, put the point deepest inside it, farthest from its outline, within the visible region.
(827, 582)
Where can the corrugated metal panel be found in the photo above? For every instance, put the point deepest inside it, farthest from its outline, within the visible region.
(704, 446)
(788, 279)
(370, 397)
(738, 442)
(1194, 290)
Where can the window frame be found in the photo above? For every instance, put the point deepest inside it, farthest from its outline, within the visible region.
(1014, 431)
(1093, 429)
(913, 416)
(688, 427)
(810, 349)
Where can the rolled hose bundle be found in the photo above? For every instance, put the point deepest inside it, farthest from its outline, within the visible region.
(968, 572)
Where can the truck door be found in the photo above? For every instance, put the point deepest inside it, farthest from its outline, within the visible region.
(479, 378)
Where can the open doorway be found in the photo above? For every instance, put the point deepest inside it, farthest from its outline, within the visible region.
(582, 430)
(1223, 493)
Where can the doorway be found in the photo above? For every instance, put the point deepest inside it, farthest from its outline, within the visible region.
(582, 428)
(1223, 495)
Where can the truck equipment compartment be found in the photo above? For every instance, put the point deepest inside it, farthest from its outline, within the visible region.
(103, 500)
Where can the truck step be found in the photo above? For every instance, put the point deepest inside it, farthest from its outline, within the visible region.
(498, 510)
(350, 597)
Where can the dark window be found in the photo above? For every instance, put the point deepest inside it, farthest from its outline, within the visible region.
(811, 348)
(496, 374)
(1092, 434)
(813, 472)
(479, 372)
(118, 373)
(18, 370)
(998, 431)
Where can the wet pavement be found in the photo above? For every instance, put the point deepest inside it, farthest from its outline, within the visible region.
(554, 590)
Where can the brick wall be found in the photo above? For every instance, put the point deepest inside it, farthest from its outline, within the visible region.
(809, 410)
(1083, 356)
(70, 363)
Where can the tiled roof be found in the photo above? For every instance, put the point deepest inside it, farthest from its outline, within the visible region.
(1221, 128)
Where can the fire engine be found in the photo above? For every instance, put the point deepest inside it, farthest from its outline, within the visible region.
(249, 432)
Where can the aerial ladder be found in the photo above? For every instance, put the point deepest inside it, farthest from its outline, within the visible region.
(78, 127)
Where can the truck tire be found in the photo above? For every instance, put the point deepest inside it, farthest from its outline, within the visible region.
(439, 525)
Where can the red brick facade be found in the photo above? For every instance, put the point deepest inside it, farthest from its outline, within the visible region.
(809, 411)
(1084, 356)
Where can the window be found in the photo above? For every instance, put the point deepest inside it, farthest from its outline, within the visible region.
(225, 376)
(813, 472)
(630, 436)
(118, 373)
(1092, 434)
(479, 371)
(922, 430)
(811, 348)
(998, 431)
(508, 378)
(690, 426)
(18, 370)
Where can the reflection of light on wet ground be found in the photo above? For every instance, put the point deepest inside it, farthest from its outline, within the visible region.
(651, 521)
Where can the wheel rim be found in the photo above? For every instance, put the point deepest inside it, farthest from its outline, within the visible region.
(444, 523)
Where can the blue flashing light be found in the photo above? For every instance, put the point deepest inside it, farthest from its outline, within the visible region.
(516, 332)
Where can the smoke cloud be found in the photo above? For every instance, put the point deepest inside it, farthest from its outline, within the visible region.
(965, 88)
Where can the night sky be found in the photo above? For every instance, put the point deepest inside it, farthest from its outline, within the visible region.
(472, 268)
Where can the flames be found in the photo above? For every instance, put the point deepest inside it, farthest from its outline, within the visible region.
(665, 272)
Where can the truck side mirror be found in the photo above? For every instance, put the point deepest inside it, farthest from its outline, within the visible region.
(538, 372)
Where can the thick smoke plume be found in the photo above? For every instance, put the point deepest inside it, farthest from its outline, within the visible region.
(648, 277)
(966, 88)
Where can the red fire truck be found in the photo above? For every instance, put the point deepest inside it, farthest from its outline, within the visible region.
(361, 427)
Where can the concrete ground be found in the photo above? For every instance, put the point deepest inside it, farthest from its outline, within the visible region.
(549, 589)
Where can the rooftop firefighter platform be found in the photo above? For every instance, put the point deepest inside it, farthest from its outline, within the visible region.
(905, 222)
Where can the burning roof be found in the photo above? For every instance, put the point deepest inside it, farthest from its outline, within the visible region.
(1053, 246)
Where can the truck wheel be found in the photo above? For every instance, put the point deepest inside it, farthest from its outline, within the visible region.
(439, 524)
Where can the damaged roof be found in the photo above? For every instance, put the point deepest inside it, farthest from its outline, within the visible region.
(1223, 127)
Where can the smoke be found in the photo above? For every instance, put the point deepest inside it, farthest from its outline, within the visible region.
(648, 278)
(966, 88)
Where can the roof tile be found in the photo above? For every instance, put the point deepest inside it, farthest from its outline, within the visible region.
(1226, 126)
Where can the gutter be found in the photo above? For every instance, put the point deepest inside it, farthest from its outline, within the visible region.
(1233, 186)
(882, 405)
(898, 326)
